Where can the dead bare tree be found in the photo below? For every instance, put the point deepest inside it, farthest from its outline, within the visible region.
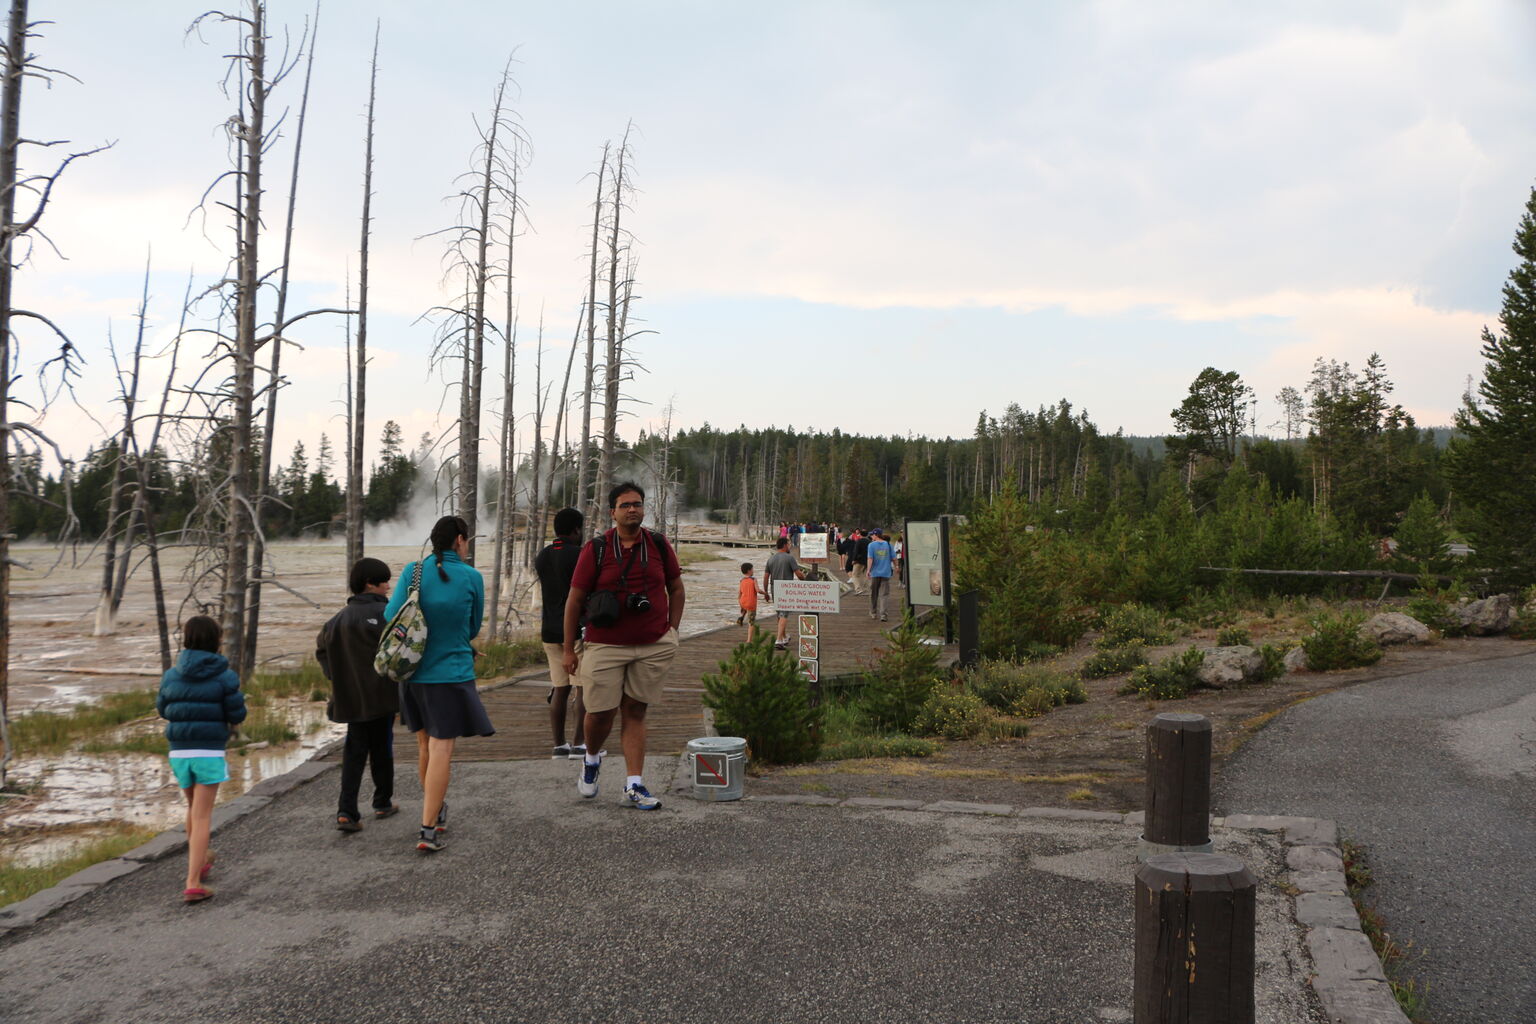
(584, 464)
(357, 398)
(556, 437)
(258, 547)
(503, 146)
(230, 404)
(611, 368)
(16, 238)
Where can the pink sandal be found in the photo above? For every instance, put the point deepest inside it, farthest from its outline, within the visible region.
(196, 894)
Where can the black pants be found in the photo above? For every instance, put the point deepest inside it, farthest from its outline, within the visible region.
(372, 743)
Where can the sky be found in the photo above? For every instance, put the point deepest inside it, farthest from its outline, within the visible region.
(882, 217)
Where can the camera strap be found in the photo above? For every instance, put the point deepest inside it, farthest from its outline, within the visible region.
(600, 546)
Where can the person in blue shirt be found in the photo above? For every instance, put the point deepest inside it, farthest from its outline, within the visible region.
(200, 701)
(879, 574)
(440, 702)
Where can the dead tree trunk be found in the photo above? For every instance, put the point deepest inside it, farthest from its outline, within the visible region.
(584, 465)
(557, 438)
(258, 544)
(360, 374)
(534, 538)
(611, 370)
(240, 526)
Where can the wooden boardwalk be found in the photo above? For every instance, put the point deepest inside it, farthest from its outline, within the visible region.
(518, 709)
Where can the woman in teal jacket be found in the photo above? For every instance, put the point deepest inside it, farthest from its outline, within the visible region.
(440, 703)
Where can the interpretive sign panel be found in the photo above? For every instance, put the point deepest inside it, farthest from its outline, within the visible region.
(819, 596)
(813, 546)
(925, 564)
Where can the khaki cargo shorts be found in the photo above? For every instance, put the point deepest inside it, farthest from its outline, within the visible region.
(609, 671)
(554, 654)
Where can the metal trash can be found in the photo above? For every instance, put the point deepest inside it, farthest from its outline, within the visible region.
(719, 767)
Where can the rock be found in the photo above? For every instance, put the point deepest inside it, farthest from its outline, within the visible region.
(1487, 617)
(1225, 666)
(1296, 659)
(1390, 628)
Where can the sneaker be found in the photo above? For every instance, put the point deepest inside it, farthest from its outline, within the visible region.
(561, 752)
(442, 818)
(639, 797)
(430, 840)
(587, 784)
(781, 647)
(578, 751)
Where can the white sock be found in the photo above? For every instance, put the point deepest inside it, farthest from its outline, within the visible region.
(592, 759)
(633, 780)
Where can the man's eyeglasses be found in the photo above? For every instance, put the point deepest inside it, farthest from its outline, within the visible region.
(631, 504)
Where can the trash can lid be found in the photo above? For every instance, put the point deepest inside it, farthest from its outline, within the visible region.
(718, 744)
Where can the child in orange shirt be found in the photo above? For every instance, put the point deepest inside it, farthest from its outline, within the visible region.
(747, 599)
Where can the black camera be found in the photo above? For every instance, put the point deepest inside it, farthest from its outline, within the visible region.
(637, 603)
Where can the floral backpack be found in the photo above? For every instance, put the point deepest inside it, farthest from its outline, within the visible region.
(405, 637)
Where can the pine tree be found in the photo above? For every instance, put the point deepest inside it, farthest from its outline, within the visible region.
(1492, 465)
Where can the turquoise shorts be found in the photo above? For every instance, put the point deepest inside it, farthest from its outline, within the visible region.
(199, 771)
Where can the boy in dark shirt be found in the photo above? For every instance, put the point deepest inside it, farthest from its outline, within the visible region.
(555, 565)
(360, 697)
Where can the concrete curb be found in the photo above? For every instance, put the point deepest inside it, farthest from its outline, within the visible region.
(172, 841)
(1348, 977)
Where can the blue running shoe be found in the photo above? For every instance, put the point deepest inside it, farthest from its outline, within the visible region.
(587, 784)
(639, 797)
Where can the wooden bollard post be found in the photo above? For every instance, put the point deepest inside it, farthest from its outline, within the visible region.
(1178, 796)
(1194, 940)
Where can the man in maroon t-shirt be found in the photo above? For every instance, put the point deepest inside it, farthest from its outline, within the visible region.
(625, 663)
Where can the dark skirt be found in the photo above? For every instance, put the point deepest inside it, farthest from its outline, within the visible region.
(446, 710)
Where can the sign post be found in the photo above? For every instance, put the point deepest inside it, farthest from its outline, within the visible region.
(809, 599)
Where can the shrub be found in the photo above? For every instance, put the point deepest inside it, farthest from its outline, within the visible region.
(953, 714)
(1170, 679)
(1273, 666)
(760, 696)
(1134, 622)
(1024, 690)
(1432, 606)
(1336, 643)
(896, 688)
(1114, 660)
(1233, 636)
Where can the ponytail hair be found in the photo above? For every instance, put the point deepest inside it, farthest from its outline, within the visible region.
(447, 530)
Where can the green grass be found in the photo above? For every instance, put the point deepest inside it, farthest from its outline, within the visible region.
(266, 729)
(304, 681)
(41, 732)
(17, 882)
(1395, 958)
(500, 658)
(846, 735)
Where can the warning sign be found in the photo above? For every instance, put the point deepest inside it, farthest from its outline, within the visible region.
(813, 546)
(806, 596)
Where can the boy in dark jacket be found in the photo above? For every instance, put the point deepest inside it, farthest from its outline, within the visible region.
(360, 697)
(199, 699)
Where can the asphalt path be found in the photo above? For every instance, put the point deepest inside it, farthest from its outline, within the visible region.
(1435, 774)
(547, 907)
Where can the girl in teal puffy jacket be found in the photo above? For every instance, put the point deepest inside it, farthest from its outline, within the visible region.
(200, 700)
